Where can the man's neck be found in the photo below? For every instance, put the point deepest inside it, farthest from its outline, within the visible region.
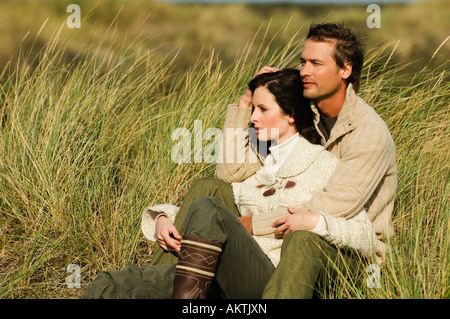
(331, 106)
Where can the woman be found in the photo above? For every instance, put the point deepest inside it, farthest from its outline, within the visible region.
(208, 239)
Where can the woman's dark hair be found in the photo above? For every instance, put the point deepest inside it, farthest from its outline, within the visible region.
(286, 86)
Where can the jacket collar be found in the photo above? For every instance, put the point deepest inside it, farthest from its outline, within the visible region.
(346, 119)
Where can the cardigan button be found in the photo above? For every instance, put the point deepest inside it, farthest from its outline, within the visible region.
(269, 192)
(290, 184)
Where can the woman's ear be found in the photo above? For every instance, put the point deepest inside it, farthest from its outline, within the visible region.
(291, 119)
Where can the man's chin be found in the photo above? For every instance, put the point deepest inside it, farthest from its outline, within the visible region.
(309, 94)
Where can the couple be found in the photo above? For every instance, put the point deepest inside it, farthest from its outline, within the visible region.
(268, 228)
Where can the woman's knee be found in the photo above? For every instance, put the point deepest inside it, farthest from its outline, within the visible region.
(205, 219)
(207, 183)
(202, 211)
(205, 205)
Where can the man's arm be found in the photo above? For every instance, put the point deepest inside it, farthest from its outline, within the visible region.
(368, 155)
(355, 233)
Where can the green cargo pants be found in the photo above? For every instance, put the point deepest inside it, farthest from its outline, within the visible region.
(243, 269)
(309, 267)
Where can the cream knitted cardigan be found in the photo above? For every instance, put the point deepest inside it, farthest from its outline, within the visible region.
(309, 167)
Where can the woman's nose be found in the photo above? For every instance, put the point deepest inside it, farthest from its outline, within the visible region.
(254, 116)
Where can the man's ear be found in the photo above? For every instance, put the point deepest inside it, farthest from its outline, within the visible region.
(346, 71)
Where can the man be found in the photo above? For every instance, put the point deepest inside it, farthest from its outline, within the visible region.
(366, 177)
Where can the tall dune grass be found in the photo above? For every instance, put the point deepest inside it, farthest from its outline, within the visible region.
(85, 145)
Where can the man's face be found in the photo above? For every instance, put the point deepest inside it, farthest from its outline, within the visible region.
(321, 76)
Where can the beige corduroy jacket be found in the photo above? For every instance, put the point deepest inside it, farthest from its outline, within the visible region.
(365, 177)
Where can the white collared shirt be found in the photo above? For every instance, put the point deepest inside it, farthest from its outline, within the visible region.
(278, 154)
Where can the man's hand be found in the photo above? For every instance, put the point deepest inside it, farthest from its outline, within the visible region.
(247, 222)
(298, 219)
(247, 99)
(167, 235)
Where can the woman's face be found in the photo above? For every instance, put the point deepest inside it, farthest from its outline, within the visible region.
(269, 120)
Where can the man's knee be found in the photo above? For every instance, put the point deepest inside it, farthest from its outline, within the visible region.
(301, 236)
(301, 239)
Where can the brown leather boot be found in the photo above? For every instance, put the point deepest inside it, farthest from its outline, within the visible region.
(195, 269)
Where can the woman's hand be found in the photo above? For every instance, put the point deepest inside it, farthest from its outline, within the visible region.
(247, 223)
(247, 99)
(167, 235)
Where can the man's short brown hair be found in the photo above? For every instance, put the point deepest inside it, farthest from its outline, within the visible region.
(348, 48)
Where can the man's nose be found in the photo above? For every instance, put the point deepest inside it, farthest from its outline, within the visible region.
(305, 70)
